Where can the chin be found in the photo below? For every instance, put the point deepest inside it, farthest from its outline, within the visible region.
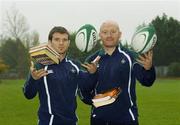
(110, 46)
(61, 52)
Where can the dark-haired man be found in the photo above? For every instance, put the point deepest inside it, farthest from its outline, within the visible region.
(56, 84)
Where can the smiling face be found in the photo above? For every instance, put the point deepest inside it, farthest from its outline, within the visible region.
(110, 34)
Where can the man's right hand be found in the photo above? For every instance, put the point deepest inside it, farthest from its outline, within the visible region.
(92, 67)
(37, 74)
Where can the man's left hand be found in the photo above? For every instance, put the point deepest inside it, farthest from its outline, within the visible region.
(146, 60)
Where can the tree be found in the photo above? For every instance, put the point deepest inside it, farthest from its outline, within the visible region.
(31, 39)
(16, 27)
(35, 38)
(167, 49)
(8, 53)
(23, 60)
(3, 66)
(15, 24)
(140, 26)
(14, 54)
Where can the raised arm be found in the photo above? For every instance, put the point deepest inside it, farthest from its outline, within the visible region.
(144, 69)
(31, 85)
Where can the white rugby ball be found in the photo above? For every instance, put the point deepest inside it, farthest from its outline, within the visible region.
(144, 39)
(86, 38)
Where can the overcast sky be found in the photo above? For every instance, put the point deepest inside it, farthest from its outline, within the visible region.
(72, 14)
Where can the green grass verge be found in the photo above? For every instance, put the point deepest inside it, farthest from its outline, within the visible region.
(158, 105)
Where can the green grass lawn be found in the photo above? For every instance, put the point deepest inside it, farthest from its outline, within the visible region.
(158, 105)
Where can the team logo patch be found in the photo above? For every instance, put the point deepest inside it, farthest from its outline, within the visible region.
(94, 115)
(50, 71)
(123, 61)
(73, 70)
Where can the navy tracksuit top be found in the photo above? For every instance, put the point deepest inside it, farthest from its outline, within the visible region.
(117, 70)
(57, 93)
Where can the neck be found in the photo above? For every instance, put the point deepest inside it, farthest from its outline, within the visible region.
(62, 56)
(109, 50)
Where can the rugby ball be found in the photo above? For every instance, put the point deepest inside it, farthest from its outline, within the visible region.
(86, 38)
(144, 39)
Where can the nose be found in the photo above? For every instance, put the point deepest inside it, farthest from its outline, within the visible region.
(61, 41)
(109, 34)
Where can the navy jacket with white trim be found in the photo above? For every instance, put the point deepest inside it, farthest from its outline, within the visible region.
(118, 70)
(57, 91)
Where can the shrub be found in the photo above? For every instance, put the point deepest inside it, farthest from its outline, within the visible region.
(174, 69)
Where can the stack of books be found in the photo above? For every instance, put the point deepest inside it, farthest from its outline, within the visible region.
(44, 54)
(106, 97)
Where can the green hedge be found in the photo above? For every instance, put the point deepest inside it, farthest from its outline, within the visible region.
(174, 69)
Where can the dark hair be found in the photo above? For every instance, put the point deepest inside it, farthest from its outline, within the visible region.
(58, 29)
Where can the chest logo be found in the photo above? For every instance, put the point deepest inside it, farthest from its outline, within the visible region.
(123, 61)
(50, 71)
(73, 70)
